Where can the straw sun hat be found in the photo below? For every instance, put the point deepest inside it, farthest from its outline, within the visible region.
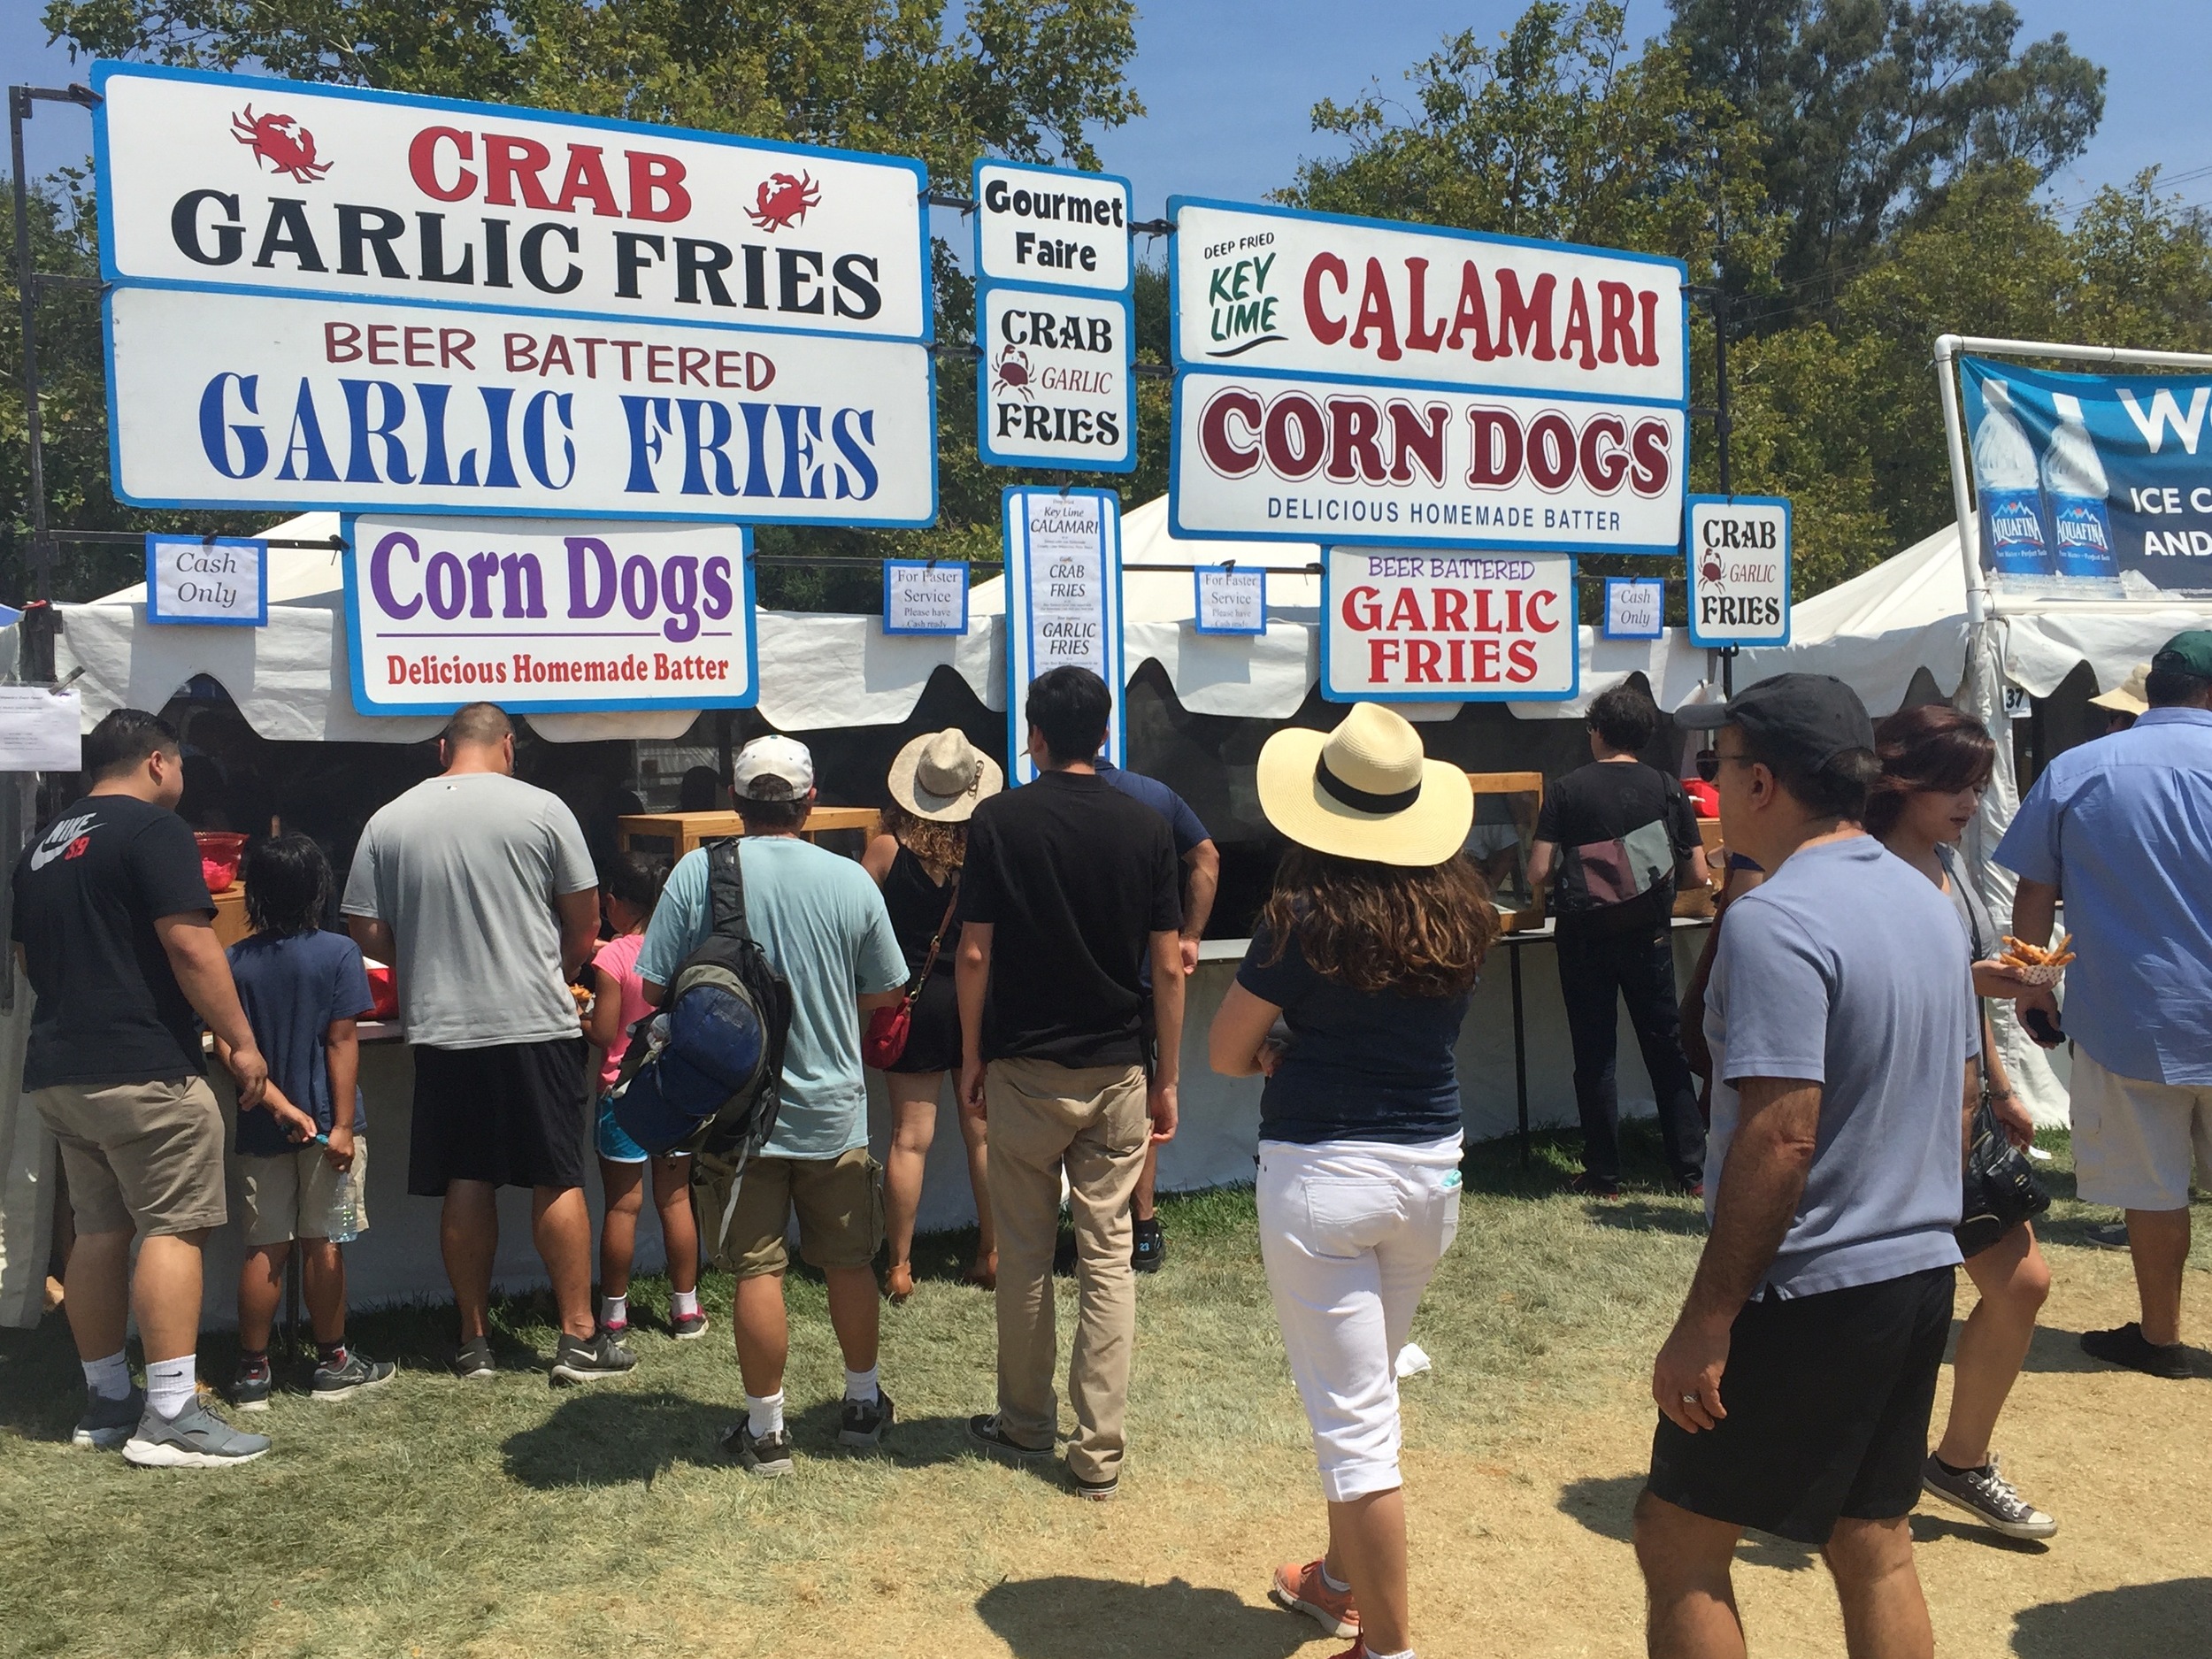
(942, 776)
(1365, 791)
(2130, 697)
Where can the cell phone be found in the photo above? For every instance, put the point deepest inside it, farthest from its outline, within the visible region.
(2042, 1029)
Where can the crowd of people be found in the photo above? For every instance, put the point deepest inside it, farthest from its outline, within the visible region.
(1033, 945)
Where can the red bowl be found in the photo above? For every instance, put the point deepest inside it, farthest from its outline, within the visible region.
(219, 853)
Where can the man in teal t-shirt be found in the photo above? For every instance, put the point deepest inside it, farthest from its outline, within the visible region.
(821, 921)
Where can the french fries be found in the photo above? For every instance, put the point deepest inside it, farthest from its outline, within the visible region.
(2019, 954)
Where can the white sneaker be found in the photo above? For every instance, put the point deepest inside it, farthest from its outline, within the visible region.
(196, 1437)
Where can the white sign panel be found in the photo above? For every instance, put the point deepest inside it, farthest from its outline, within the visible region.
(39, 730)
(1230, 601)
(1635, 608)
(1054, 387)
(1064, 600)
(1409, 625)
(1045, 226)
(923, 596)
(219, 580)
(273, 185)
(1310, 460)
(1740, 570)
(231, 400)
(544, 616)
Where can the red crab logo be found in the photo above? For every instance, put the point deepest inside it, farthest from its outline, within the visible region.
(1710, 570)
(782, 201)
(280, 145)
(1012, 373)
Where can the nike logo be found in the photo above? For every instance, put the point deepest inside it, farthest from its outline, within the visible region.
(59, 836)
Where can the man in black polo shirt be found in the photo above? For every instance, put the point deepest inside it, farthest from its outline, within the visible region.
(1070, 887)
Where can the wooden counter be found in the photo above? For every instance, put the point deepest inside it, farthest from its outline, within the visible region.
(672, 834)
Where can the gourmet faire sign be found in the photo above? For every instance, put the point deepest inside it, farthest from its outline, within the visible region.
(544, 617)
(226, 399)
(1052, 228)
(1410, 625)
(1386, 383)
(276, 186)
(1062, 599)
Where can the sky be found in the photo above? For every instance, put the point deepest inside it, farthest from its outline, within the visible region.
(1230, 84)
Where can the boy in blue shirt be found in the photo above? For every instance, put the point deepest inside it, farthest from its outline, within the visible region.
(302, 990)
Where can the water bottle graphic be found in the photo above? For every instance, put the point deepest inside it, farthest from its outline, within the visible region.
(2005, 479)
(2074, 487)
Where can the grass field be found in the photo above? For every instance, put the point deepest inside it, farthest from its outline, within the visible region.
(439, 1517)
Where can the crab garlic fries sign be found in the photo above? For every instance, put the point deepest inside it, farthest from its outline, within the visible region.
(1355, 381)
(1412, 625)
(1062, 599)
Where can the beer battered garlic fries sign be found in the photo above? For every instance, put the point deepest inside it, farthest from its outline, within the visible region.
(1410, 625)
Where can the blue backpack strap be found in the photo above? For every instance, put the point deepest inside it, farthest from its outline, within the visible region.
(725, 889)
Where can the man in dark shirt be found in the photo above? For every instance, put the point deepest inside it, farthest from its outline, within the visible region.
(1069, 889)
(1609, 840)
(111, 927)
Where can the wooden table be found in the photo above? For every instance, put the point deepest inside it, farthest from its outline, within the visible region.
(230, 914)
(672, 834)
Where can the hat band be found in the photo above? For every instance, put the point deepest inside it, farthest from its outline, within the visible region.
(1360, 800)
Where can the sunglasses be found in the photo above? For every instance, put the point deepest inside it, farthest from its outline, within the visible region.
(1710, 760)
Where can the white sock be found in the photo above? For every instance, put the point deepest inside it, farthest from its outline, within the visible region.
(614, 1310)
(683, 1303)
(108, 1379)
(1330, 1579)
(764, 1414)
(861, 1384)
(169, 1385)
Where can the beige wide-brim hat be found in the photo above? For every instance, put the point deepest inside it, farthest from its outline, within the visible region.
(1365, 791)
(2132, 696)
(942, 777)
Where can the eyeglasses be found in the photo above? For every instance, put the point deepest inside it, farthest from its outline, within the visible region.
(1710, 760)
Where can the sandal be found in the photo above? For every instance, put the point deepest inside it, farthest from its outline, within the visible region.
(898, 1282)
(984, 1274)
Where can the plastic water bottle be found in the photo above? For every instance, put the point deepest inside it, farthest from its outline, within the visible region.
(2005, 479)
(2074, 490)
(347, 1226)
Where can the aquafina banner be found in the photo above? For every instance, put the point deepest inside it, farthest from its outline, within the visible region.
(2090, 486)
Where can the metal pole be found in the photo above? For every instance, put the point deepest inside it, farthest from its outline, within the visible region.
(1520, 1053)
(1946, 351)
(38, 658)
(1721, 419)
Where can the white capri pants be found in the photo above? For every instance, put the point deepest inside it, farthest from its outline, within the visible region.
(1351, 1232)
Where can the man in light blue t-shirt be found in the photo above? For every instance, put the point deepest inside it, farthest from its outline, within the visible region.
(821, 921)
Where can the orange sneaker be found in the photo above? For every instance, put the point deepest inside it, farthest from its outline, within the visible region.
(1303, 1590)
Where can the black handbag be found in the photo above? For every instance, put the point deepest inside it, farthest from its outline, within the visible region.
(2001, 1191)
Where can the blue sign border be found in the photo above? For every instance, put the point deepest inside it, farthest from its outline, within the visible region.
(1017, 570)
(1198, 600)
(259, 619)
(992, 457)
(1690, 504)
(1572, 623)
(364, 704)
(966, 584)
(975, 193)
(504, 114)
(1605, 619)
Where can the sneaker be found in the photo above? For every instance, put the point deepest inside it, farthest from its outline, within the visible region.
(1985, 1494)
(1689, 1186)
(1588, 1186)
(107, 1424)
(1300, 1589)
(1096, 1491)
(767, 1455)
(196, 1437)
(2126, 1347)
(1064, 1256)
(1357, 1650)
(684, 1327)
(863, 1421)
(2111, 1237)
(577, 1361)
(1150, 1249)
(472, 1361)
(250, 1388)
(340, 1382)
(988, 1432)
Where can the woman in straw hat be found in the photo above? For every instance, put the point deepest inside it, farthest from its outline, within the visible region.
(935, 784)
(1365, 954)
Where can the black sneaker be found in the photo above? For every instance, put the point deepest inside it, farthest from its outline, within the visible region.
(1588, 1186)
(863, 1421)
(578, 1361)
(1096, 1491)
(107, 1424)
(250, 1388)
(2127, 1346)
(2113, 1236)
(1150, 1249)
(989, 1434)
(472, 1361)
(767, 1455)
(1688, 1186)
(342, 1381)
(685, 1327)
(1064, 1256)
(1985, 1494)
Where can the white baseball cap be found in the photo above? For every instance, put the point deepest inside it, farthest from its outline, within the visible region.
(772, 769)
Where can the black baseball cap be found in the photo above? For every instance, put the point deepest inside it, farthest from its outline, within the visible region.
(1816, 717)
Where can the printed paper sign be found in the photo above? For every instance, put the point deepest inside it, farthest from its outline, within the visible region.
(278, 186)
(236, 399)
(1635, 608)
(39, 729)
(547, 616)
(1407, 625)
(1740, 570)
(1052, 228)
(1231, 601)
(1053, 386)
(1063, 599)
(220, 580)
(920, 597)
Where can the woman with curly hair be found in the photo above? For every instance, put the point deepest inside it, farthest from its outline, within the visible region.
(1348, 1003)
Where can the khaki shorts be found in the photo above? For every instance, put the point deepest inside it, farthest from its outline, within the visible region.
(143, 1156)
(840, 1202)
(296, 1194)
(2134, 1141)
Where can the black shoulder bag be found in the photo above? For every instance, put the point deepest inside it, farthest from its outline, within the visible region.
(2001, 1188)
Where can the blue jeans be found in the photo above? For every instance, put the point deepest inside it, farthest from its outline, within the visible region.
(1598, 970)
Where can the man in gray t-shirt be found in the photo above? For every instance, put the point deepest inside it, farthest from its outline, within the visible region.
(479, 890)
(1795, 1387)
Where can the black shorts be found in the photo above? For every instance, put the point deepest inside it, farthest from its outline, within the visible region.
(1828, 1399)
(933, 1034)
(516, 1114)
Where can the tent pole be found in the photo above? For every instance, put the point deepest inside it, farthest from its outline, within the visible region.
(1946, 350)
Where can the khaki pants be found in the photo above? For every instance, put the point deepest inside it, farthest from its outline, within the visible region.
(1092, 1121)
